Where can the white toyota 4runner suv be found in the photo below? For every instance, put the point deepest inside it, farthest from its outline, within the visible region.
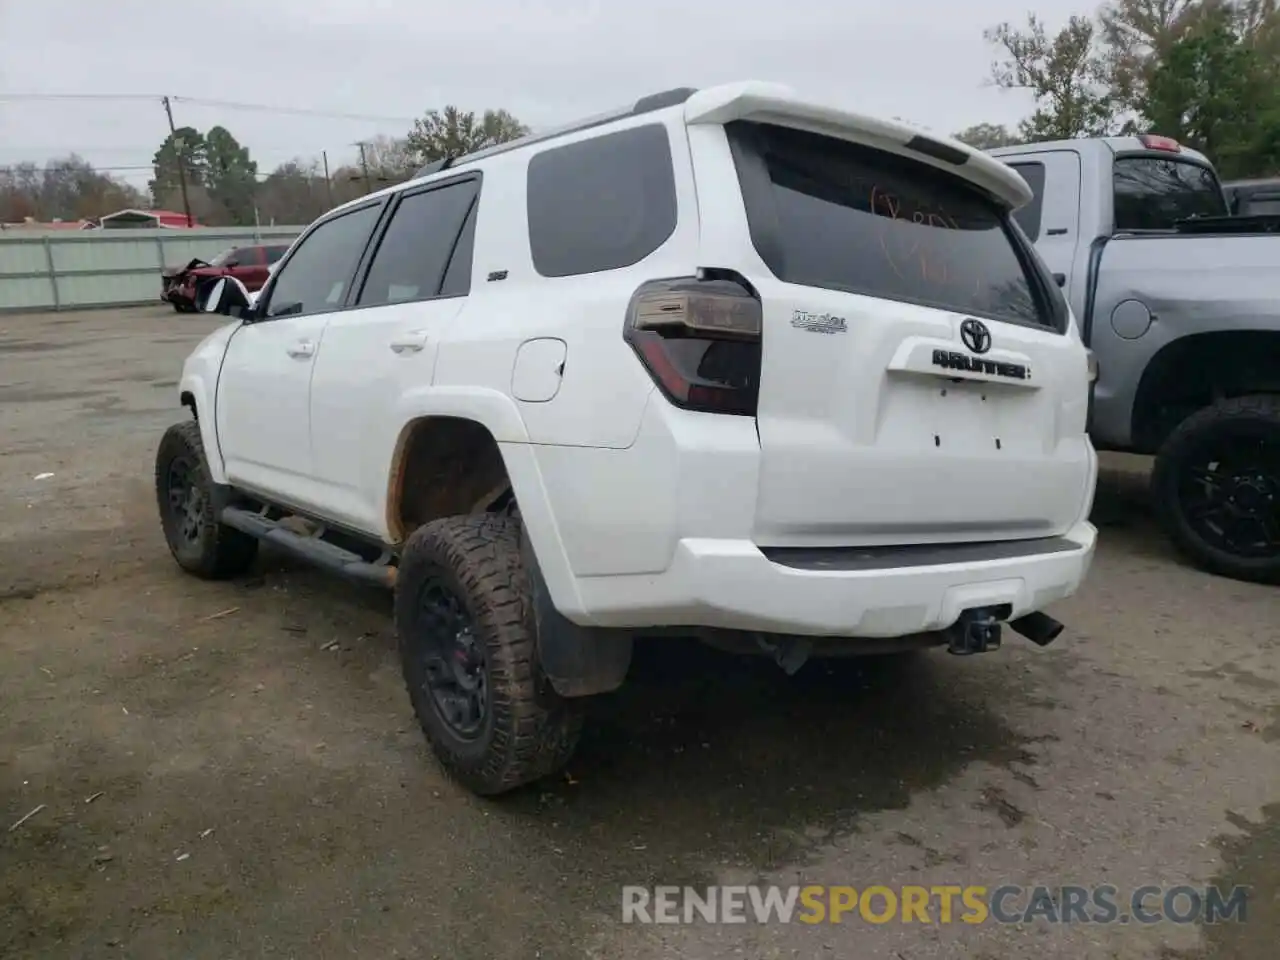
(725, 363)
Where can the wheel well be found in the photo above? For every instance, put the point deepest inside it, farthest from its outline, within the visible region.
(443, 466)
(188, 400)
(1198, 371)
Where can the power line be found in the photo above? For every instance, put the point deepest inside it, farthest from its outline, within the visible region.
(42, 167)
(201, 102)
(110, 168)
(39, 97)
(296, 111)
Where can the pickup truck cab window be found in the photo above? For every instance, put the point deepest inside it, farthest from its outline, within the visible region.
(316, 278)
(1154, 193)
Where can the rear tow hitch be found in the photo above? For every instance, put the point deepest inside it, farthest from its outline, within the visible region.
(977, 631)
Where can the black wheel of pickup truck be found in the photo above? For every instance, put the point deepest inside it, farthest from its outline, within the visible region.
(184, 494)
(1216, 486)
(463, 613)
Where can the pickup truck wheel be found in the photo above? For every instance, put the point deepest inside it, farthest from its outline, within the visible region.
(464, 619)
(1216, 485)
(184, 494)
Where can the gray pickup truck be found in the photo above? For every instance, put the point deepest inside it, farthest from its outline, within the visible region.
(1180, 303)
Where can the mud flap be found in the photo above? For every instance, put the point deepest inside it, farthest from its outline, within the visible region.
(579, 661)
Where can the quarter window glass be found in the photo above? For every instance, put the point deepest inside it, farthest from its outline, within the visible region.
(601, 204)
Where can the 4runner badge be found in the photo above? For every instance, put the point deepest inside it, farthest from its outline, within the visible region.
(818, 322)
(954, 360)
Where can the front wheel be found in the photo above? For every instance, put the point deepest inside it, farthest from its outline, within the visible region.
(184, 494)
(1216, 485)
(464, 620)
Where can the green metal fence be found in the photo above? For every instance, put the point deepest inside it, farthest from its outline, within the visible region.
(65, 270)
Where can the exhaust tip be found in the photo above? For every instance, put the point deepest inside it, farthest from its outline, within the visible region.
(1040, 628)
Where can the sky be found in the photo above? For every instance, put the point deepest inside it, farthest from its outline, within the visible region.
(547, 61)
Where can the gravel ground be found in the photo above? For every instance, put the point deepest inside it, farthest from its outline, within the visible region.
(232, 770)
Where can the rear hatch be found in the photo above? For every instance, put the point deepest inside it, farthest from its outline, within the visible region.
(916, 384)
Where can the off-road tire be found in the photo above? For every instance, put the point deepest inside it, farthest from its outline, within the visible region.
(1261, 412)
(529, 731)
(219, 552)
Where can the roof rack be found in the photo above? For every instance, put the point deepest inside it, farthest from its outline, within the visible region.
(647, 104)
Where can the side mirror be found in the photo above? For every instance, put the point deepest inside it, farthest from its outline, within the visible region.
(1060, 279)
(226, 296)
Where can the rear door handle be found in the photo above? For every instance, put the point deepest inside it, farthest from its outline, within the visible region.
(410, 342)
(302, 349)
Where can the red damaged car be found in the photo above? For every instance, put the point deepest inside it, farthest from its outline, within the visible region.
(183, 286)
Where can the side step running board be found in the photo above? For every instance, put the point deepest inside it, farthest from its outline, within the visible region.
(312, 549)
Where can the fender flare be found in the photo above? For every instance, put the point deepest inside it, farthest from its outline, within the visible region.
(497, 413)
(194, 387)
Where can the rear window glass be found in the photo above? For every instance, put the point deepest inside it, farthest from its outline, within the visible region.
(833, 214)
(601, 204)
(1154, 193)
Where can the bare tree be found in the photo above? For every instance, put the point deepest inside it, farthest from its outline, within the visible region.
(390, 158)
(1067, 74)
(454, 133)
(68, 188)
(985, 136)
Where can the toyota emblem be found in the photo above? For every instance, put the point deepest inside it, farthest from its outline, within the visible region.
(975, 335)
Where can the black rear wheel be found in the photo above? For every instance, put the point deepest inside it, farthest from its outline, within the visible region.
(468, 651)
(1217, 487)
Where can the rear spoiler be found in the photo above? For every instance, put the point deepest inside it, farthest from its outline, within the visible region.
(776, 103)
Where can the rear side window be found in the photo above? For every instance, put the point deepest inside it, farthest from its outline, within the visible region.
(416, 247)
(275, 253)
(1028, 217)
(316, 278)
(1154, 193)
(828, 213)
(601, 204)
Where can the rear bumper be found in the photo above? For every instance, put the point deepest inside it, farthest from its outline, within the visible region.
(732, 584)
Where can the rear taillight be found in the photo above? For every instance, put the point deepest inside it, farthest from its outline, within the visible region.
(700, 341)
(1153, 142)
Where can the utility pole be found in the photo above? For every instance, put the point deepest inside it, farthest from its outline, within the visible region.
(182, 173)
(364, 165)
(328, 184)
